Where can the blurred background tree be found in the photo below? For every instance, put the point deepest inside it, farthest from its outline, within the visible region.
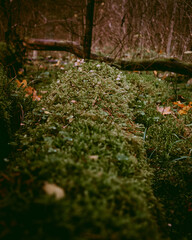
(127, 28)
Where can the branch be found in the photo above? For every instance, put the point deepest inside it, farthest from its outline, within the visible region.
(164, 64)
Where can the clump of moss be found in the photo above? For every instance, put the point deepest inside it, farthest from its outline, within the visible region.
(169, 149)
(82, 137)
(168, 146)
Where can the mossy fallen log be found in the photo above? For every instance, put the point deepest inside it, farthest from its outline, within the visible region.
(164, 64)
(81, 137)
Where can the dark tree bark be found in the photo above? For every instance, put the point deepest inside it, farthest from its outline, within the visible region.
(164, 64)
(88, 29)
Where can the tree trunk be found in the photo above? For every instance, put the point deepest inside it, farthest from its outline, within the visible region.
(170, 36)
(88, 29)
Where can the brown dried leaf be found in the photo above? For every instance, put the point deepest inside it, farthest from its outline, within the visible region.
(164, 110)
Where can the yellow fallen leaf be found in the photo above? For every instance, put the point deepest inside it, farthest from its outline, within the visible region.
(182, 112)
(24, 83)
(53, 189)
(186, 108)
(18, 83)
(29, 90)
(178, 103)
(164, 110)
(21, 84)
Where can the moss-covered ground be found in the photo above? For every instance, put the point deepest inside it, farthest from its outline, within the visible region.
(123, 169)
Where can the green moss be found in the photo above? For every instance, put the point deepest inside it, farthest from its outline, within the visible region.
(12, 106)
(9, 60)
(82, 137)
(95, 134)
(168, 146)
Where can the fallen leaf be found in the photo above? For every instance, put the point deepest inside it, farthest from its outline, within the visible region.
(94, 157)
(21, 84)
(155, 73)
(186, 108)
(53, 189)
(24, 83)
(33, 92)
(36, 97)
(178, 103)
(71, 118)
(182, 112)
(164, 110)
(43, 92)
(18, 83)
(57, 63)
(189, 82)
(46, 112)
(29, 91)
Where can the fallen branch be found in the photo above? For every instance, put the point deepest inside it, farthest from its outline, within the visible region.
(164, 64)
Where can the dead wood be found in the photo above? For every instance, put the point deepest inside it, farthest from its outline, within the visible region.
(158, 64)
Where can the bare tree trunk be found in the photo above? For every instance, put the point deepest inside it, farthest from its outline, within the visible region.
(88, 29)
(170, 36)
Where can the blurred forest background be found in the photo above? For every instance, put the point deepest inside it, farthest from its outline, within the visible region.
(91, 131)
(124, 29)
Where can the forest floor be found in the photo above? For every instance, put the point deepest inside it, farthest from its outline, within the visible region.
(99, 154)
